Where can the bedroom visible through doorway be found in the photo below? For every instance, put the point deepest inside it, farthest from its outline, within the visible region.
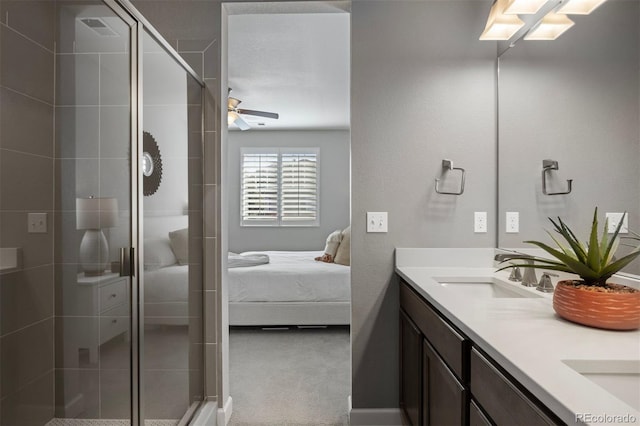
(286, 195)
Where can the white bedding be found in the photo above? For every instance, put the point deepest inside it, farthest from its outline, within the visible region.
(290, 276)
(168, 284)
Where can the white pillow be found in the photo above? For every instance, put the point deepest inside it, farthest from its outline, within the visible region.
(158, 254)
(343, 256)
(333, 241)
(180, 245)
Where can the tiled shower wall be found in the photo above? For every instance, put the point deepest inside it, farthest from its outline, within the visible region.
(27, 33)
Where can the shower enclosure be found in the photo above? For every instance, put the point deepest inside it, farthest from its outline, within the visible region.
(101, 187)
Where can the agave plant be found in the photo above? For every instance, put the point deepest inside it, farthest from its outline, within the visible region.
(594, 261)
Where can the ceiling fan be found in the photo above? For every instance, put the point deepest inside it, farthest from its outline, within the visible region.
(233, 113)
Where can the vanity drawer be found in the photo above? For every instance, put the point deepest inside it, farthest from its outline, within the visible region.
(113, 294)
(449, 344)
(500, 398)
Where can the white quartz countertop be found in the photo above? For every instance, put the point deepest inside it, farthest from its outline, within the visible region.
(526, 337)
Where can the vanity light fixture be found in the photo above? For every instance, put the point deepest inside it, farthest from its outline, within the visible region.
(501, 26)
(552, 26)
(523, 7)
(579, 7)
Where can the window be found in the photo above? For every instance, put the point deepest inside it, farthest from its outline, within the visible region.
(279, 187)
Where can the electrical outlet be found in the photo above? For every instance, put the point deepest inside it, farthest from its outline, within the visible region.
(480, 222)
(376, 221)
(612, 223)
(37, 223)
(512, 222)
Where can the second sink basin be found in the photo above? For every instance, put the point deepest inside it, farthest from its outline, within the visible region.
(487, 288)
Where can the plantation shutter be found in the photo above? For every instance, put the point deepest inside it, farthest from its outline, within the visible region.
(299, 188)
(259, 188)
(279, 187)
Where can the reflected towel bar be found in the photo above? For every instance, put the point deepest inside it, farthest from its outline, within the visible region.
(548, 165)
(448, 165)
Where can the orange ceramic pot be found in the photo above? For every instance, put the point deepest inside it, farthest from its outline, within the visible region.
(608, 310)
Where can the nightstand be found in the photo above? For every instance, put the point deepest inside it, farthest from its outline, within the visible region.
(106, 297)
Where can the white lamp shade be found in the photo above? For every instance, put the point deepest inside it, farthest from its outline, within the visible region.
(523, 7)
(96, 213)
(552, 26)
(501, 26)
(579, 7)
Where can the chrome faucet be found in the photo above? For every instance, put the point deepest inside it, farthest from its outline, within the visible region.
(545, 285)
(529, 278)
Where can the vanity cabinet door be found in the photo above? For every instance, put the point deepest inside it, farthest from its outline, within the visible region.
(501, 398)
(444, 399)
(476, 416)
(410, 370)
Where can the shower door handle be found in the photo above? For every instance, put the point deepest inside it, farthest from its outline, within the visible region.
(127, 262)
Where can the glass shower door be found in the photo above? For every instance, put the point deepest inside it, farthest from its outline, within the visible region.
(172, 229)
(93, 212)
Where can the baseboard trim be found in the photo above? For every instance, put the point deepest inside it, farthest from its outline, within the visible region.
(224, 413)
(375, 416)
(206, 415)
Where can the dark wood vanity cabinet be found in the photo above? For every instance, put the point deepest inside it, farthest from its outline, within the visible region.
(501, 397)
(444, 380)
(433, 365)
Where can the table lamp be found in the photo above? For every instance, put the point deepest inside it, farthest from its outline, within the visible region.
(93, 215)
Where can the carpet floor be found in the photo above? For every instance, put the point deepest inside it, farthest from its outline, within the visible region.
(290, 377)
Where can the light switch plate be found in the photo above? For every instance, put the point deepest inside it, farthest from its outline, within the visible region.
(612, 223)
(37, 223)
(480, 222)
(376, 221)
(512, 223)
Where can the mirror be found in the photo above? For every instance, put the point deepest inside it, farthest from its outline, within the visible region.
(151, 164)
(574, 101)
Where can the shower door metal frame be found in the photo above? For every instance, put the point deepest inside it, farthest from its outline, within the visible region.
(139, 24)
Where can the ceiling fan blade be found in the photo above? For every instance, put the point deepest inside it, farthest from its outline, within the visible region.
(242, 125)
(258, 113)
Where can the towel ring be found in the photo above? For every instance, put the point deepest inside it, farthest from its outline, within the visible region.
(548, 165)
(448, 165)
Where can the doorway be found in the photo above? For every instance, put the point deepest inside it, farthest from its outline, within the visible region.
(290, 60)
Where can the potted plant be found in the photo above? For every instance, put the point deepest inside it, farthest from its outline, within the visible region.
(591, 300)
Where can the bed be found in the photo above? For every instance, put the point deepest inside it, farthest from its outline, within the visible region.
(166, 282)
(292, 289)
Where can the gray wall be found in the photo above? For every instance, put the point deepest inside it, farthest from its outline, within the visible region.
(575, 101)
(334, 190)
(423, 89)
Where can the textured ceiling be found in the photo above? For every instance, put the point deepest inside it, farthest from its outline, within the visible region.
(295, 64)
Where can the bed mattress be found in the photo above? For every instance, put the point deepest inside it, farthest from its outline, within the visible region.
(290, 276)
(168, 284)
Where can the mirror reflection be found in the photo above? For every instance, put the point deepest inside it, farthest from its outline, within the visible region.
(569, 126)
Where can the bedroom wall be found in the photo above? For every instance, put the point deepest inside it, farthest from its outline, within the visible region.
(423, 89)
(334, 190)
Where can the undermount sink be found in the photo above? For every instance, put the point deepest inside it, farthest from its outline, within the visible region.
(487, 288)
(621, 378)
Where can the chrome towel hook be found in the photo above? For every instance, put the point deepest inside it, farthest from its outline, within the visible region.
(448, 165)
(548, 165)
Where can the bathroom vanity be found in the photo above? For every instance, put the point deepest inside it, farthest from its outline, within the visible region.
(478, 349)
